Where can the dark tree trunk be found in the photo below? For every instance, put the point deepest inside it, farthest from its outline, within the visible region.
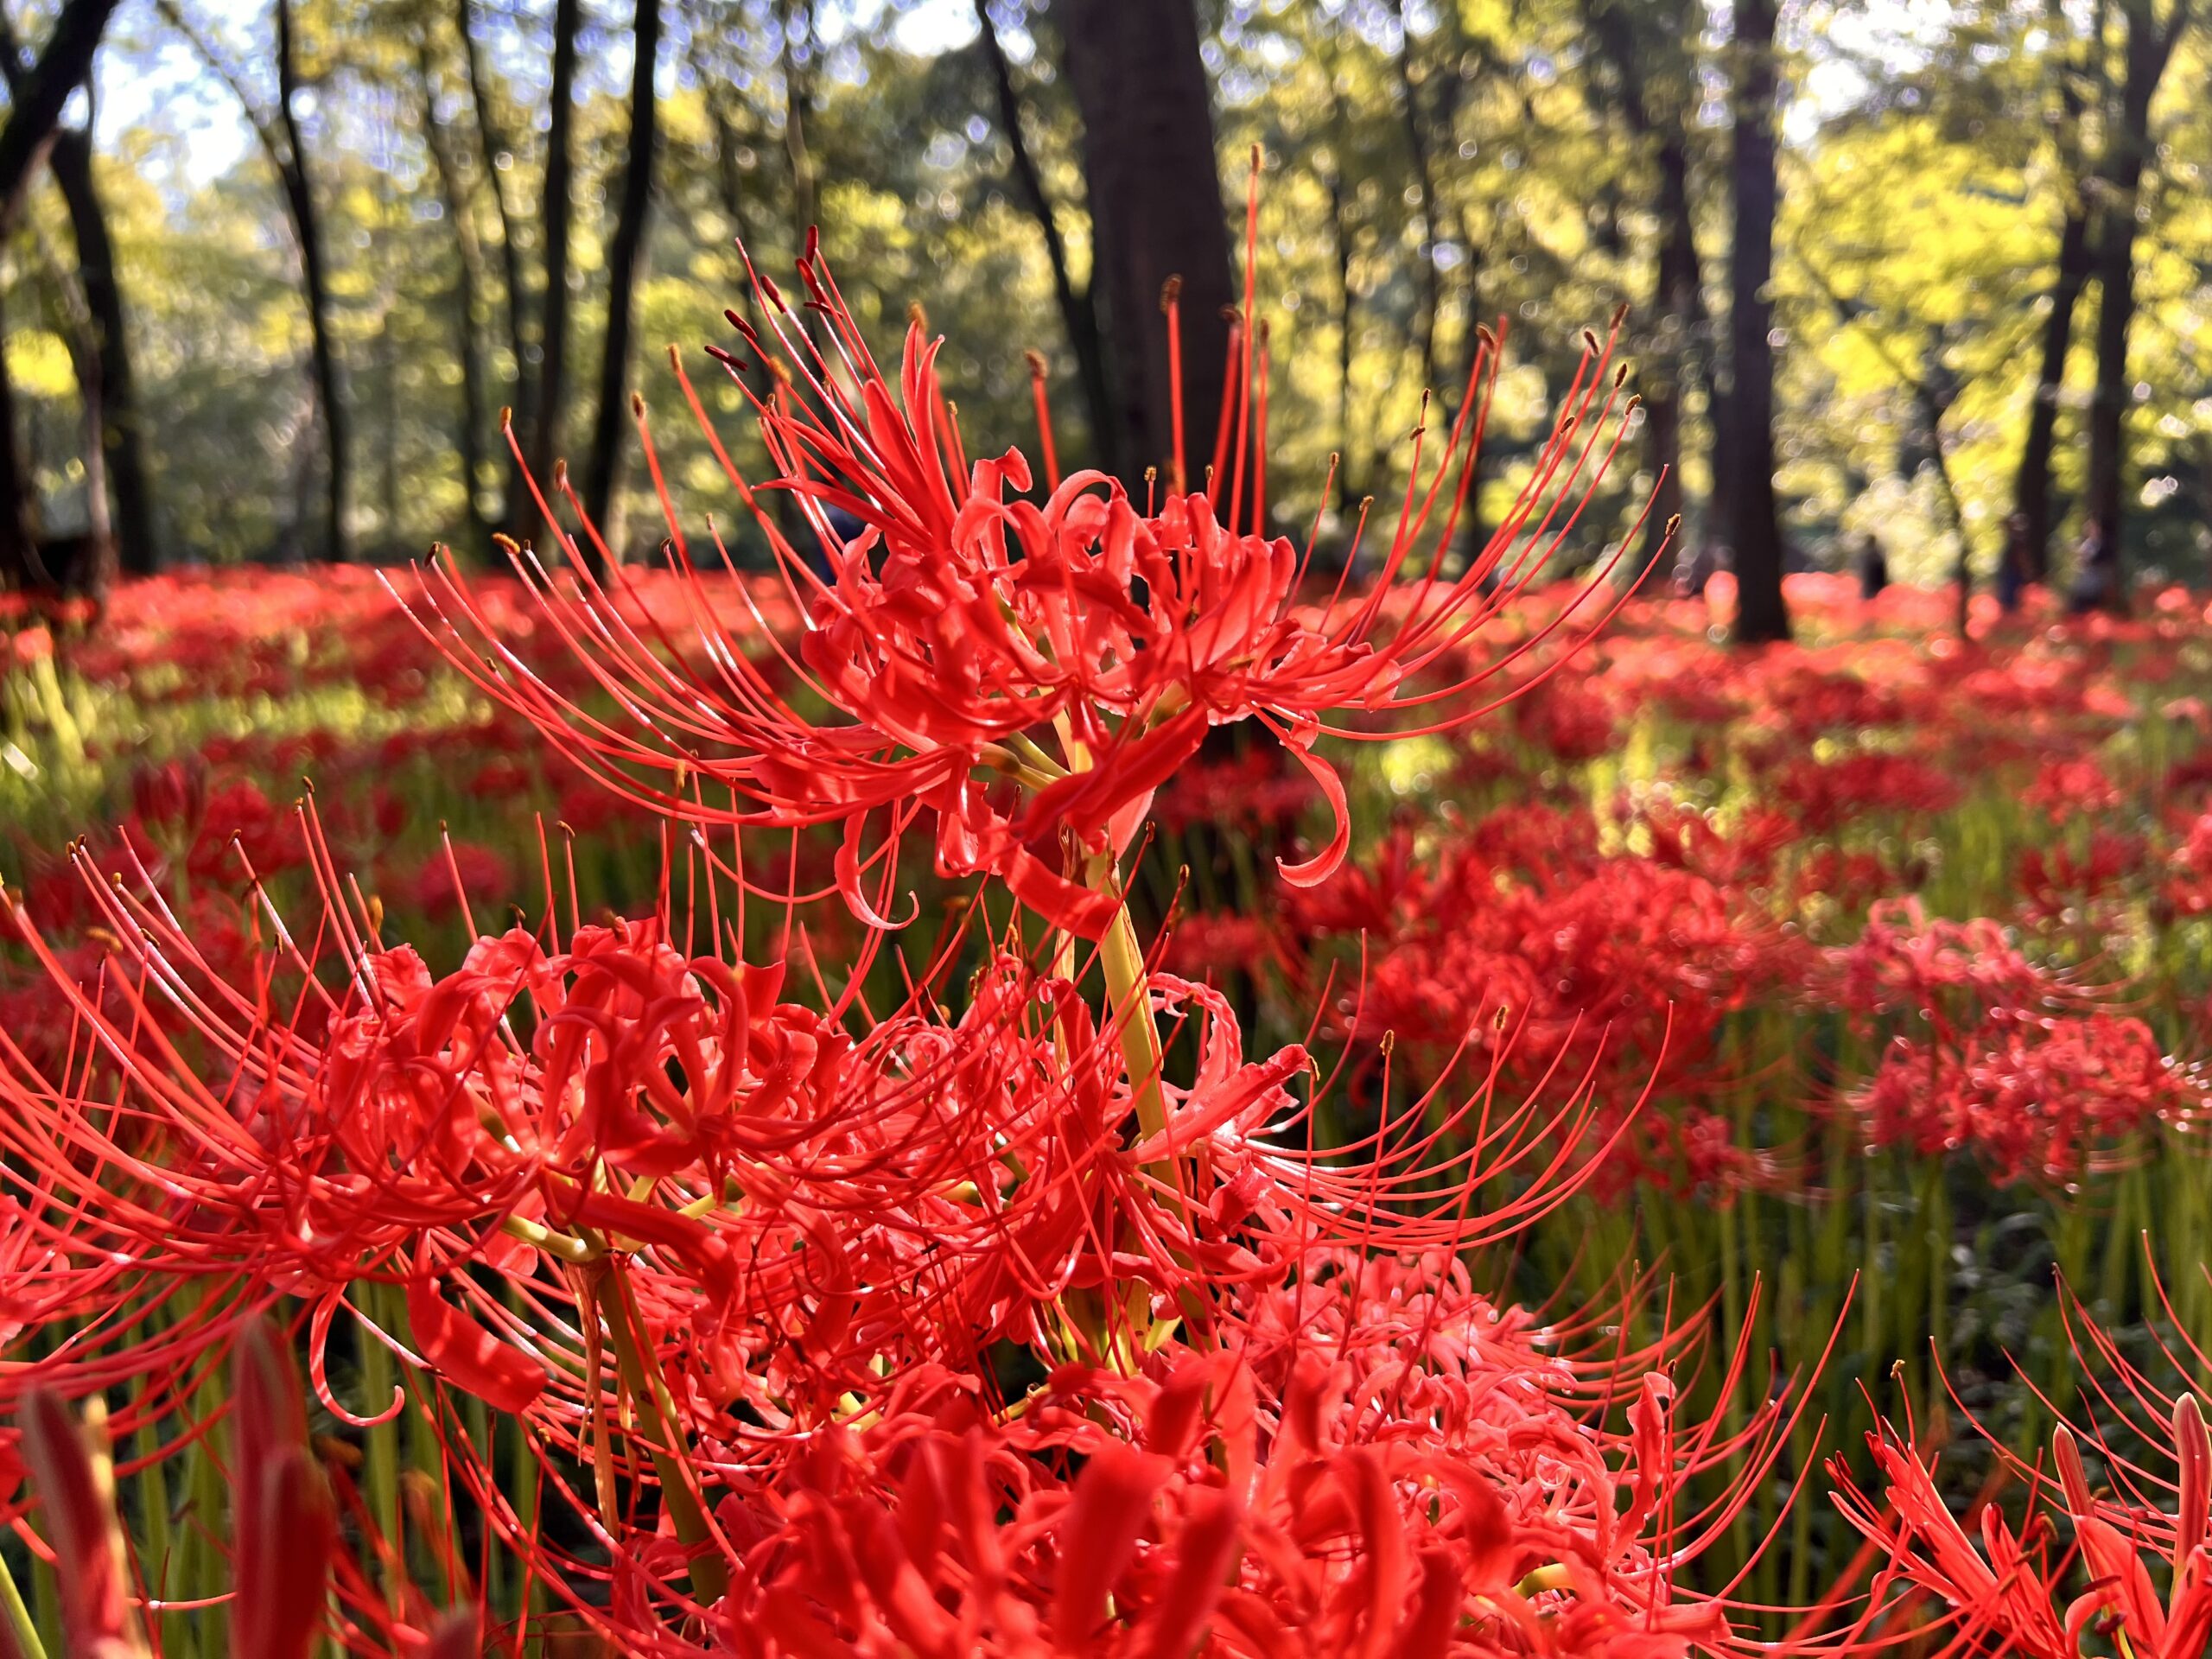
(20, 565)
(468, 283)
(1154, 186)
(2127, 147)
(92, 561)
(1677, 309)
(35, 112)
(1347, 305)
(2031, 497)
(62, 65)
(1078, 315)
(492, 144)
(626, 255)
(299, 196)
(1749, 514)
(280, 142)
(552, 387)
(1350, 471)
(114, 386)
(1432, 278)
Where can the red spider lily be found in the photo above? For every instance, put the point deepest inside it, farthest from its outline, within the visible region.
(2008, 1595)
(287, 1563)
(796, 1196)
(1519, 940)
(1521, 1533)
(1953, 974)
(966, 626)
(773, 1236)
(2070, 787)
(1825, 793)
(2058, 885)
(2043, 1100)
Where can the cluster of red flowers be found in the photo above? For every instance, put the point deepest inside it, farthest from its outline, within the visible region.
(973, 1324)
(2134, 1578)
(862, 1271)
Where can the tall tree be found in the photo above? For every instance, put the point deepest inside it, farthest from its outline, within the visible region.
(279, 135)
(83, 563)
(469, 279)
(795, 59)
(314, 280)
(110, 387)
(1653, 88)
(1154, 185)
(1749, 513)
(1417, 148)
(2146, 49)
(35, 99)
(626, 255)
(1078, 313)
(552, 387)
(2031, 496)
(33, 114)
(122, 426)
(1338, 181)
(492, 144)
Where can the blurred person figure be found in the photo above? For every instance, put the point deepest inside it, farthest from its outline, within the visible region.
(1694, 567)
(2096, 575)
(1872, 566)
(846, 527)
(2012, 565)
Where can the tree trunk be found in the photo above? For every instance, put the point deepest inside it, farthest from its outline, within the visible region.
(1432, 278)
(115, 388)
(1078, 315)
(20, 566)
(2147, 50)
(468, 283)
(35, 112)
(61, 67)
(492, 144)
(2032, 487)
(1749, 514)
(1677, 299)
(299, 196)
(1154, 186)
(560, 212)
(93, 570)
(602, 479)
(1677, 308)
(2032, 501)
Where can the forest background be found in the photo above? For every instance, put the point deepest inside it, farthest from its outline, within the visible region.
(1933, 272)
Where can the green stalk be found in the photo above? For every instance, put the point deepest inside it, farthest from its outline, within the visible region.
(380, 1445)
(1128, 996)
(657, 1416)
(19, 1616)
(152, 1493)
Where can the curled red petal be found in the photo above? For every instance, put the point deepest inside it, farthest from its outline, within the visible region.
(1112, 1500)
(468, 1355)
(1323, 864)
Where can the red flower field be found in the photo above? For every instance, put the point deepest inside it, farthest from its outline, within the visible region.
(1055, 1079)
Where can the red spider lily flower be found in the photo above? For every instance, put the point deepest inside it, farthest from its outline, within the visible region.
(2008, 1593)
(2043, 1101)
(73, 1471)
(292, 1583)
(1519, 940)
(1824, 794)
(966, 629)
(2073, 785)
